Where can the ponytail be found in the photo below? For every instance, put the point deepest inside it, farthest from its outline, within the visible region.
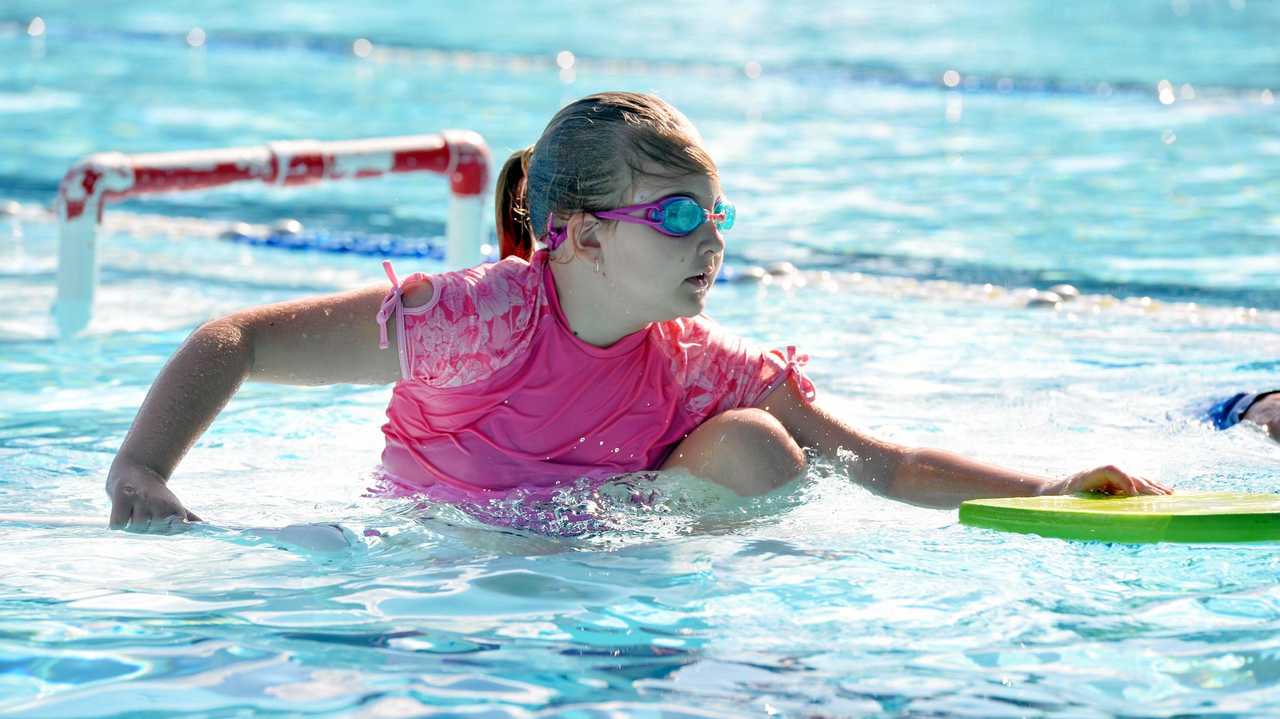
(515, 233)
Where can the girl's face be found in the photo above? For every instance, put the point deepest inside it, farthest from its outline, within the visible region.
(657, 276)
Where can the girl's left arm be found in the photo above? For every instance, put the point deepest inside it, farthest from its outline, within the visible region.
(923, 476)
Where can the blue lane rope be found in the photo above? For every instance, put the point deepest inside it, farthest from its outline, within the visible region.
(337, 242)
(851, 71)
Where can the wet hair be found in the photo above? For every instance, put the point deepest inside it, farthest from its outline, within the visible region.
(588, 158)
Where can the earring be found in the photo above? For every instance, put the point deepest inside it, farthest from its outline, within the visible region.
(597, 267)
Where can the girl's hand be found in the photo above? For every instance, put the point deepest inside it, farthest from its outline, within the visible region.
(1106, 480)
(141, 501)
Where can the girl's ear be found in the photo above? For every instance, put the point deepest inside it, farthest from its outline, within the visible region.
(582, 230)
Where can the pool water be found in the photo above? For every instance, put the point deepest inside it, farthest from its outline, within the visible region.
(919, 214)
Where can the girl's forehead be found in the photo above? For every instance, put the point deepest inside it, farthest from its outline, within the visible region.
(705, 188)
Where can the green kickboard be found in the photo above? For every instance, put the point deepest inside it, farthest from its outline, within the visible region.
(1210, 517)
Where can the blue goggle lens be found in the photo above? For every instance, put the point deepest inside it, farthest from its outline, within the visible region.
(683, 215)
(729, 211)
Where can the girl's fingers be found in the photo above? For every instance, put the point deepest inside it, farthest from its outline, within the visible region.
(139, 521)
(1109, 479)
(120, 512)
(134, 515)
(1147, 486)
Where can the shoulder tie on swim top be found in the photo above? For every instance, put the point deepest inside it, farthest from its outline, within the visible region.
(389, 305)
(795, 363)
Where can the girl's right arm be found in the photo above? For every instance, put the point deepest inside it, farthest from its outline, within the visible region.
(315, 341)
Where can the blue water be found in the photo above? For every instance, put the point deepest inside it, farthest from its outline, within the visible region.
(919, 215)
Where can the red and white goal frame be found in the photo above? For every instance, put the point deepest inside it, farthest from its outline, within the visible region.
(460, 155)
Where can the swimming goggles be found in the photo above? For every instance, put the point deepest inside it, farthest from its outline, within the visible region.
(673, 216)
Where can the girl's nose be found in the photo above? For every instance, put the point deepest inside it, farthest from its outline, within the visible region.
(710, 237)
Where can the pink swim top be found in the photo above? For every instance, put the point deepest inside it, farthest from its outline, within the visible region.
(497, 394)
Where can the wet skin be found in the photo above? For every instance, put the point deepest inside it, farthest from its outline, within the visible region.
(1266, 412)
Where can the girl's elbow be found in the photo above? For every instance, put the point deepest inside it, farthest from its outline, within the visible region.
(906, 472)
(229, 338)
(896, 470)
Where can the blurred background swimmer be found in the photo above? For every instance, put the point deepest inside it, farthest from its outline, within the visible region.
(1262, 408)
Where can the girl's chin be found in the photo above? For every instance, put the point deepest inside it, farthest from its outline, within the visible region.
(691, 305)
(686, 311)
(698, 305)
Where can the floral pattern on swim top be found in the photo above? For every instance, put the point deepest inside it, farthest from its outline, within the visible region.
(480, 323)
(498, 394)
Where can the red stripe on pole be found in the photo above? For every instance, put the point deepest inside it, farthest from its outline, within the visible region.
(87, 178)
(432, 159)
(304, 169)
(469, 178)
(147, 180)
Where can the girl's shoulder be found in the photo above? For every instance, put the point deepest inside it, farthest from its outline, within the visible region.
(418, 291)
(484, 291)
(720, 370)
(461, 326)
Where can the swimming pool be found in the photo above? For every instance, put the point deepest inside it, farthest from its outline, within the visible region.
(1053, 159)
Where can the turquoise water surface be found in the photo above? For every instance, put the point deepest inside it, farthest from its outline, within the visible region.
(925, 167)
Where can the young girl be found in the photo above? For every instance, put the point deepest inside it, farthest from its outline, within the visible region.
(584, 360)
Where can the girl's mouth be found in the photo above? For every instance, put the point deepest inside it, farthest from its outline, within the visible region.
(701, 281)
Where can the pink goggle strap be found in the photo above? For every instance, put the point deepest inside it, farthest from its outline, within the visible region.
(553, 237)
